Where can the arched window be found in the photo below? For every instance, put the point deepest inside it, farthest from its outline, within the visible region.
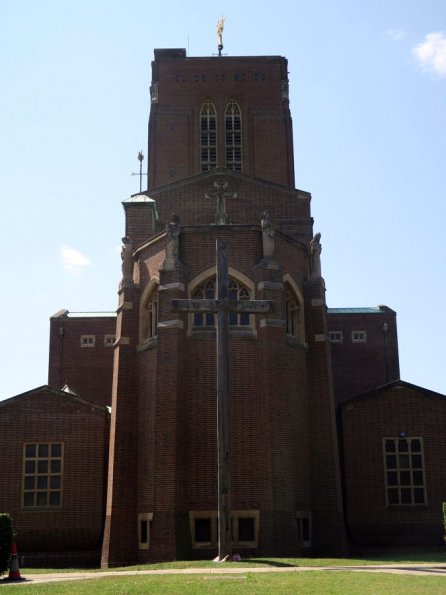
(293, 314)
(236, 291)
(149, 326)
(208, 136)
(233, 128)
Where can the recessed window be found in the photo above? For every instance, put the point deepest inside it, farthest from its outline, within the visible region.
(88, 340)
(149, 327)
(233, 132)
(359, 337)
(304, 528)
(236, 291)
(204, 529)
(404, 471)
(292, 313)
(245, 528)
(109, 340)
(208, 136)
(336, 336)
(42, 474)
(144, 520)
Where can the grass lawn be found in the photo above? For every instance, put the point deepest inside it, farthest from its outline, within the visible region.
(308, 582)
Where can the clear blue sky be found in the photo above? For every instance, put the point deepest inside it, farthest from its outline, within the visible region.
(368, 100)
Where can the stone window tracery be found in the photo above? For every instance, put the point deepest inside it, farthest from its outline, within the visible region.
(233, 136)
(236, 291)
(208, 136)
(150, 316)
(293, 314)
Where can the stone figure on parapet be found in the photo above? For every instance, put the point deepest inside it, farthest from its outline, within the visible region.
(268, 233)
(221, 217)
(315, 255)
(220, 27)
(172, 243)
(127, 260)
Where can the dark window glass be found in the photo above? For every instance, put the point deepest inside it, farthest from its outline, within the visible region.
(406, 496)
(391, 461)
(392, 478)
(403, 461)
(392, 495)
(56, 450)
(390, 446)
(203, 530)
(30, 451)
(42, 482)
(144, 534)
(43, 450)
(417, 478)
(418, 494)
(417, 462)
(28, 499)
(403, 446)
(41, 499)
(54, 498)
(42, 466)
(246, 529)
(30, 467)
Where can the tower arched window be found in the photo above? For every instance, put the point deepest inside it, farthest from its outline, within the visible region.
(208, 136)
(233, 132)
(236, 291)
(293, 314)
(149, 327)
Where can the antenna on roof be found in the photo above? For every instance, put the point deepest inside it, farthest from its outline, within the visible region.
(140, 174)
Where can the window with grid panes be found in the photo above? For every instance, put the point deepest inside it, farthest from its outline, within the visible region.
(150, 316)
(208, 136)
(233, 132)
(42, 474)
(292, 311)
(236, 291)
(404, 471)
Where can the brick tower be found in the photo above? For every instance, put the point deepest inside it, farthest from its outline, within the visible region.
(221, 167)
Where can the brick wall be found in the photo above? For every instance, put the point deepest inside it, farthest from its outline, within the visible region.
(49, 415)
(87, 370)
(400, 409)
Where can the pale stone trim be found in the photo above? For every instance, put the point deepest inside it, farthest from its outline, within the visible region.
(172, 286)
(270, 285)
(148, 290)
(317, 302)
(126, 306)
(146, 517)
(175, 323)
(123, 341)
(320, 338)
(277, 322)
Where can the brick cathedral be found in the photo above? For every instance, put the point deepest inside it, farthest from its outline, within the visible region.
(116, 458)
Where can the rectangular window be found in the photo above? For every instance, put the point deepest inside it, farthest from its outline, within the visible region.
(304, 528)
(404, 471)
(42, 474)
(359, 337)
(204, 529)
(336, 336)
(245, 528)
(109, 340)
(144, 520)
(88, 340)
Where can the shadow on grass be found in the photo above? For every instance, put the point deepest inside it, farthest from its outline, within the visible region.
(267, 562)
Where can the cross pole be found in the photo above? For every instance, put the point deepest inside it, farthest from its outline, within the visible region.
(222, 306)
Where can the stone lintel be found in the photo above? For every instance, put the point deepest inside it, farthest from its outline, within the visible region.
(123, 341)
(171, 324)
(276, 322)
(317, 302)
(269, 285)
(176, 285)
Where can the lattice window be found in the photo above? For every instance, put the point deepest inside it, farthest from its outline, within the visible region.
(404, 471)
(293, 314)
(42, 474)
(208, 136)
(150, 316)
(236, 291)
(233, 129)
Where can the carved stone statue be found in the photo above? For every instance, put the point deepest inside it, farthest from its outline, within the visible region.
(268, 233)
(127, 260)
(315, 255)
(172, 244)
(220, 27)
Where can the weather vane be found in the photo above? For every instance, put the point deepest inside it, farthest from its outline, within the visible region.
(140, 174)
(220, 27)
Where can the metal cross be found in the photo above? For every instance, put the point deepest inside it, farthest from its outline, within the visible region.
(222, 306)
